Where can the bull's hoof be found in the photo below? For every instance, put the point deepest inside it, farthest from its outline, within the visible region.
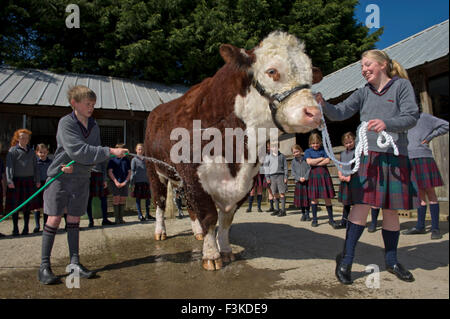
(199, 236)
(210, 264)
(161, 236)
(228, 257)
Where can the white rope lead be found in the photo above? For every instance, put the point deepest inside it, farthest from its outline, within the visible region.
(361, 148)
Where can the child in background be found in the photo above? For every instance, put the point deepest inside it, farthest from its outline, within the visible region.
(43, 162)
(141, 183)
(300, 171)
(344, 195)
(179, 193)
(119, 171)
(425, 170)
(2, 186)
(265, 179)
(257, 188)
(320, 184)
(98, 187)
(277, 170)
(23, 178)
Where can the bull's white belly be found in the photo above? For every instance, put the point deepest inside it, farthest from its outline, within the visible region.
(225, 189)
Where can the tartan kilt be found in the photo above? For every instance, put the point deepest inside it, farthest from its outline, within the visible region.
(386, 181)
(96, 188)
(260, 181)
(24, 188)
(141, 191)
(345, 194)
(320, 184)
(426, 172)
(301, 194)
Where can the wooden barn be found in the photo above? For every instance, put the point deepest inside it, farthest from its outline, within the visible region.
(36, 99)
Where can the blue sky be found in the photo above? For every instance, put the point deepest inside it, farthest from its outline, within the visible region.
(403, 18)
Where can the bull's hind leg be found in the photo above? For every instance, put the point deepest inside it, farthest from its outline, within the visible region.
(159, 192)
(225, 220)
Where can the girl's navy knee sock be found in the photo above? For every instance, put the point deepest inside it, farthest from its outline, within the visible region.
(314, 211)
(352, 236)
(390, 239)
(434, 211)
(138, 206)
(421, 212)
(374, 212)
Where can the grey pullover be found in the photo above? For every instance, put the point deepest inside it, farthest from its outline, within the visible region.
(299, 168)
(427, 128)
(21, 163)
(276, 164)
(77, 143)
(395, 105)
(138, 171)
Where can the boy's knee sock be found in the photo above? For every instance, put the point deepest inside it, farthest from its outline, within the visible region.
(250, 202)
(104, 205)
(434, 211)
(116, 213)
(15, 218)
(89, 210)
(390, 239)
(330, 213)
(138, 206)
(259, 200)
(271, 203)
(73, 239)
(48, 238)
(314, 211)
(121, 211)
(352, 236)
(37, 218)
(374, 212)
(421, 212)
(283, 203)
(277, 204)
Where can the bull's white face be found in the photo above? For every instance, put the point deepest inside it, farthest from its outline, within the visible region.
(280, 65)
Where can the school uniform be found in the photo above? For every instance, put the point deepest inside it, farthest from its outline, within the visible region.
(141, 186)
(276, 169)
(383, 179)
(300, 169)
(70, 192)
(120, 168)
(345, 195)
(320, 184)
(424, 167)
(21, 169)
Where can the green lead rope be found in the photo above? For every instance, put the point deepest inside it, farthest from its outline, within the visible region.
(40, 190)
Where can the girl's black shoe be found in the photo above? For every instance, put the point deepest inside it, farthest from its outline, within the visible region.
(343, 272)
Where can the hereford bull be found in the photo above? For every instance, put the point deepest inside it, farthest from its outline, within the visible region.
(266, 87)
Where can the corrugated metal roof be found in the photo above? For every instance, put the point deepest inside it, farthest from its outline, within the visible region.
(40, 87)
(425, 46)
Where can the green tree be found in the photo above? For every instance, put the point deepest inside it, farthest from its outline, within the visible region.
(172, 41)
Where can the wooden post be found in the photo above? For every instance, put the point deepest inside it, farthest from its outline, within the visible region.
(425, 99)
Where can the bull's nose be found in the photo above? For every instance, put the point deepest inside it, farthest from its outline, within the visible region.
(313, 115)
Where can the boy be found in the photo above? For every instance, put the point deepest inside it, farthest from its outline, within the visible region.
(78, 139)
(277, 170)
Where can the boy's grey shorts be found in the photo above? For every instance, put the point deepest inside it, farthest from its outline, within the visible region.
(118, 191)
(66, 192)
(277, 184)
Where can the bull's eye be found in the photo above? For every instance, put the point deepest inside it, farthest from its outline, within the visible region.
(273, 73)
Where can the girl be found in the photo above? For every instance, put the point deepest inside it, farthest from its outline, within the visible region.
(119, 171)
(386, 102)
(300, 171)
(257, 188)
(22, 177)
(344, 195)
(141, 183)
(43, 162)
(425, 170)
(320, 184)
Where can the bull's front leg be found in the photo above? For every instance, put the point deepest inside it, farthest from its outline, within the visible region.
(223, 241)
(211, 255)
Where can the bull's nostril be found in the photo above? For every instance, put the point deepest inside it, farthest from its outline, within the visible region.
(308, 114)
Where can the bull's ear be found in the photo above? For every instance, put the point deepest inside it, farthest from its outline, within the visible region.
(317, 75)
(239, 57)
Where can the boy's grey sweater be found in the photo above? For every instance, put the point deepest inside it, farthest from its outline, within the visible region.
(427, 128)
(397, 108)
(276, 164)
(300, 168)
(21, 163)
(138, 171)
(73, 145)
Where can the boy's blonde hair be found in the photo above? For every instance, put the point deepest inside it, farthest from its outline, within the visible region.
(297, 147)
(347, 136)
(315, 138)
(80, 92)
(120, 145)
(41, 146)
(393, 67)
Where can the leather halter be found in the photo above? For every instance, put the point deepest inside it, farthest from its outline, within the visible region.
(279, 97)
